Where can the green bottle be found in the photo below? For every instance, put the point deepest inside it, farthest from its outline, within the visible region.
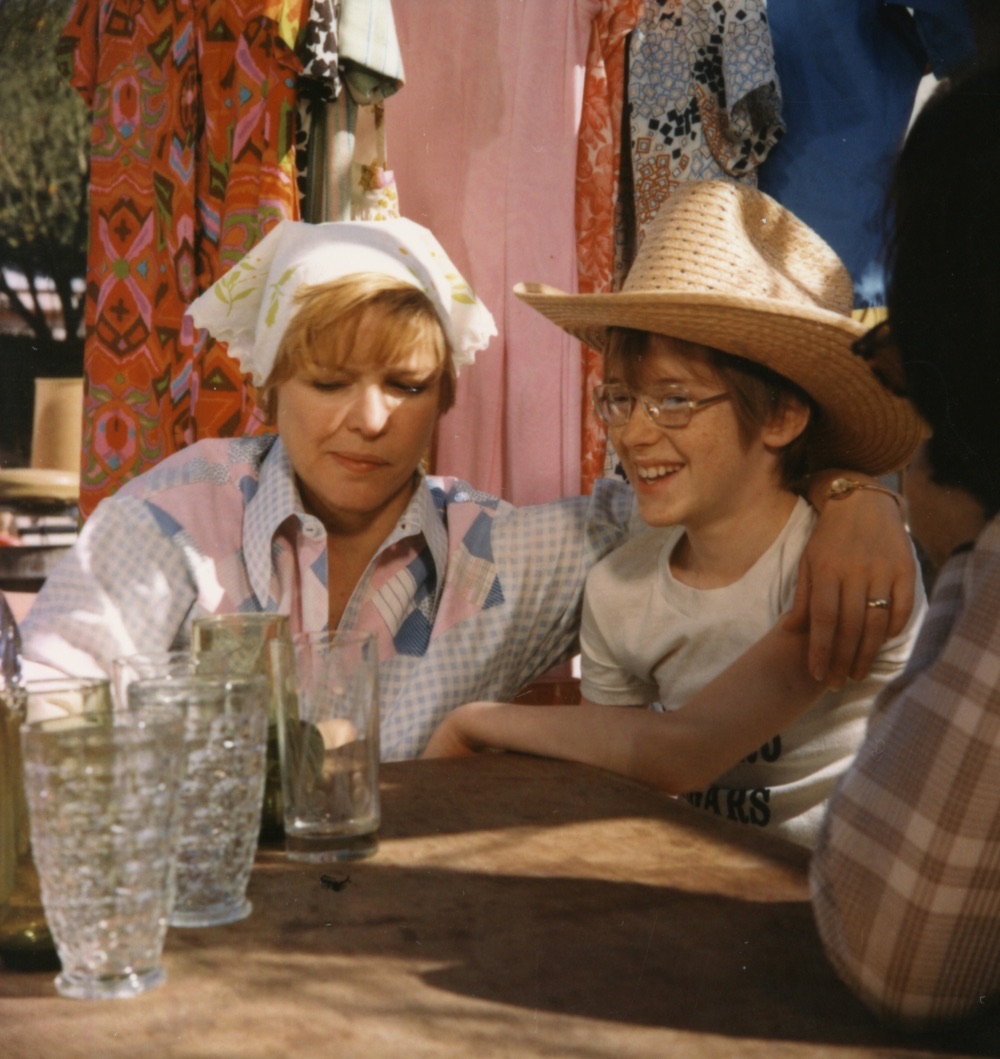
(25, 941)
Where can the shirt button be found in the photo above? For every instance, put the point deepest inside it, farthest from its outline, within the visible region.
(461, 496)
(313, 530)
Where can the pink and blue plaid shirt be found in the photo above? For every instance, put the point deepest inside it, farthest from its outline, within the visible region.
(470, 597)
(906, 874)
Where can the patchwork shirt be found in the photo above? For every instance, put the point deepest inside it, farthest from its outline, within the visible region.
(469, 597)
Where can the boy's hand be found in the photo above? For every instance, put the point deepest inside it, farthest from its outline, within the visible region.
(859, 551)
(448, 740)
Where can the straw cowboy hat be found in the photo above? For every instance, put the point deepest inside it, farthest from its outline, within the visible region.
(724, 265)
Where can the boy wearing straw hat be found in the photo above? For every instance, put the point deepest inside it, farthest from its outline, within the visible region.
(729, 375)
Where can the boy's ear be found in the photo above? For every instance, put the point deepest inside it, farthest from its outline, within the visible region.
(787, 423)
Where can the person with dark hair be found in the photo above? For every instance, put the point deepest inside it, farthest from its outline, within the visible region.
(906, 875)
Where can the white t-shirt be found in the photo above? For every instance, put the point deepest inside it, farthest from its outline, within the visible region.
(648, 638)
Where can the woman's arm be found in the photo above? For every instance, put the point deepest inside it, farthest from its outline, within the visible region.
(124, 586)
(755, 697)
(860, 550)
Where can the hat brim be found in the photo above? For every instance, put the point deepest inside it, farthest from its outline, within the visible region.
(861, 426)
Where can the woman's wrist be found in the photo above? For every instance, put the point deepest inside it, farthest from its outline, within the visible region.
(837, 485)
(840, 488)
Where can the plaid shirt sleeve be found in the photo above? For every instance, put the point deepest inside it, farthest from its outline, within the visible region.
(906, 875)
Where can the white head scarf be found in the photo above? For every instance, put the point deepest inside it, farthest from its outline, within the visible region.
(250, 307)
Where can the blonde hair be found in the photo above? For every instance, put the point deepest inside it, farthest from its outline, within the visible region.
(323, 331)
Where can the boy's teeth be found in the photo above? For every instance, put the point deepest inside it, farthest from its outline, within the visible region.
(652, 472)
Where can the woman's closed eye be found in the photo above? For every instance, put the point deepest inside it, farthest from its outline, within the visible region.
(408, 389)
(401, 386)
(328, 385)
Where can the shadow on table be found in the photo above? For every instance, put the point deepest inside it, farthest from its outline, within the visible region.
(612, 951)
(525, 792)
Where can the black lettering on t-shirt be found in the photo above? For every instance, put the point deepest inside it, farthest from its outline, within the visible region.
(760, 810)
(735, 797)
(743, 806)
(769, 752)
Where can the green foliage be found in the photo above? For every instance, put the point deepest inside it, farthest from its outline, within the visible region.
(44, 137)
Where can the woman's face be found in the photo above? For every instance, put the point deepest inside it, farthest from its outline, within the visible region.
(356, 433)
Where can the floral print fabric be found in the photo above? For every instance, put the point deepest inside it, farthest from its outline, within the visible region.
(703, 96)
(192, 162)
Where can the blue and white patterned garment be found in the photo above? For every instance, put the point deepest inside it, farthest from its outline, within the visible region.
(470, 597)
(703, 97)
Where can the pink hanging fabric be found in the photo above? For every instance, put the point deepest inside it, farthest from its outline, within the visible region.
(483, 143)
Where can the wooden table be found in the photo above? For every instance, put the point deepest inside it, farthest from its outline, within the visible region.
(516, 907)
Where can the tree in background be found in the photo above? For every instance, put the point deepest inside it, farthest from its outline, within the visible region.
(44, 138)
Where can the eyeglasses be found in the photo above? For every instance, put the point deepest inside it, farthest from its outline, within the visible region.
(879, 351)
(670, 409)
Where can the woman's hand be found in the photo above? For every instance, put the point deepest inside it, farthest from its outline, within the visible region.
(859, 551)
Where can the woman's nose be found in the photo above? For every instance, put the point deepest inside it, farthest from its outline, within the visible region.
(370, 409)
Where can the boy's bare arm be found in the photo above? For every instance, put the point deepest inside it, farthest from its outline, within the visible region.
(755, 697)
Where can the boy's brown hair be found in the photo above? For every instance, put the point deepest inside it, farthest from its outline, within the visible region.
(757, 393)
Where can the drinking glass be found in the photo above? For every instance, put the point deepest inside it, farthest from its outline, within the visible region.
(330, 749)
(243, 645)
(221, 792)
(152, 665)
(26, 943)
(102, 791)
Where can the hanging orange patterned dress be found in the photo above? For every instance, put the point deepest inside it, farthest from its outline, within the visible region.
(598, 156)
(192, 162)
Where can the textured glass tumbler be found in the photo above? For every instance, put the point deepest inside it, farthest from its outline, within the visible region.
(26, 942)
(222, 789)
(247, 644)
(330, 749)
(154, 665)
(102, 795)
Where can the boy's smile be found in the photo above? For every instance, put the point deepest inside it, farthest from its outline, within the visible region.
(705, 476)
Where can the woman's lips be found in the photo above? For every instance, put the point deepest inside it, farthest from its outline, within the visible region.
(359, 463)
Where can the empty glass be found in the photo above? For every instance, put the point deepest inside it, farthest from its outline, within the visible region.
(102, 790)
(330, 749)
(242, 645)
(154, 665)
(221, 792)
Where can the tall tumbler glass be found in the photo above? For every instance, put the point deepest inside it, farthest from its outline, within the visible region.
(330, 749)
(26, 942)
(102, 796)
(243, 645)
(152, 665)
(222, 789)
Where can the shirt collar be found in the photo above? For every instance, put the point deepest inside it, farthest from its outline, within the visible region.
(422, 516)
(277, 498)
